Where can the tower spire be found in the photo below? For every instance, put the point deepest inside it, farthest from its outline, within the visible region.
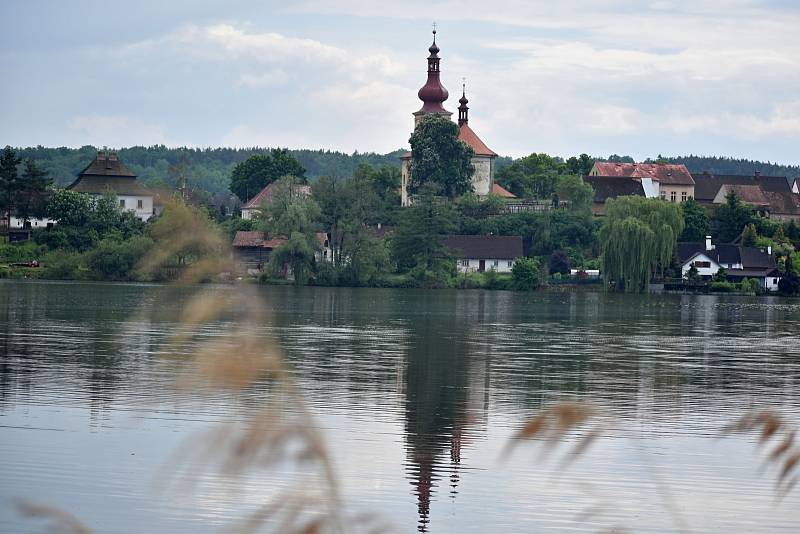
(463, 110)
(433, 93)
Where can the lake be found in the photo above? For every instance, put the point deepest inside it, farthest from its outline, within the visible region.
(417, 394)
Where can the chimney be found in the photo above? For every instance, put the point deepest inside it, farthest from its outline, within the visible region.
(709, 246)
(112, 156)
(101, 155)
(769, 250)
(757, 177)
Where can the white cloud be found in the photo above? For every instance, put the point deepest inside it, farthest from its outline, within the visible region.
(783, 121)
(266, 79)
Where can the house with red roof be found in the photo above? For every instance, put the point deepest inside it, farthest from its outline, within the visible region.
(265, 196)
(433, 94)
(668, 181)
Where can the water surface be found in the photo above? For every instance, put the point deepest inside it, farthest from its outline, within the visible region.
(417, 393)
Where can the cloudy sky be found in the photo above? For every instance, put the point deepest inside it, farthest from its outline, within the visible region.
(713, 77)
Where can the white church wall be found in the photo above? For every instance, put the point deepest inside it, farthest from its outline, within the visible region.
(482, 178)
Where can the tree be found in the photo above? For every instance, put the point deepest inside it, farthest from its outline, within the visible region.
(696, 225)
(31, 198)
(692, 274)
(256, 172)
(298, 254)
(417, 239)
(439, 158)
(533, 176)
(749, 236)
(559, 262)
(67, 207)
(183, 235)
(571, 187)
(525, 274)
(580, 166)
(732, 217)
(9, 181)
(637, 238)
(789, 283)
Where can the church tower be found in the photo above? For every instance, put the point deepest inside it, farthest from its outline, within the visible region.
(433, 94)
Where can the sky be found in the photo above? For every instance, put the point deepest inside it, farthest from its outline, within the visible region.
(639, 78)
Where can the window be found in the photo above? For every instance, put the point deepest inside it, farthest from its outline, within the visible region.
(140, 204)
(673, 196)
(122, 203)
(702, 264)
(510, 263)
(683, 196)
(496, 263)
(464, 263)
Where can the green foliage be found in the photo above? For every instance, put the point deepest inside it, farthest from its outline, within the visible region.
(115, 260)
(298, 254)
(256, 172)
(31, 196)
(10, 183)
(559, 262)
(692, 274)
(236, 224)
(572, 188)
(533, 176)
(749, 236)
(439, 158)
(526, 274)
(69, 208)
(696, 224)
(417, 240)
(63, 265)
(638, 236)
(789, 283)
(750, 285)
(19, 252)
(290, 210)
(722, 286)
(183, 235)
(721, 275)
(731, 218)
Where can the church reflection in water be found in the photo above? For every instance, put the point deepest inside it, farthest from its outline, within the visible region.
(446, 401)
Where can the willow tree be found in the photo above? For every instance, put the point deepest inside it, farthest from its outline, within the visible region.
(638, 239)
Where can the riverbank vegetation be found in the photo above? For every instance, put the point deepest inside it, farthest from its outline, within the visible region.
(372, 241)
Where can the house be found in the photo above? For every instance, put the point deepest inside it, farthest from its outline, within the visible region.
(606, 187)
(777, 199)
(480, 253)
(107, 174)
(265, 196)
(251, 250)
(668, 181)
(739, 262)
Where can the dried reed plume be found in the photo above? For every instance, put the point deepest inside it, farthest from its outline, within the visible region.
(772, 430)
(59, 520)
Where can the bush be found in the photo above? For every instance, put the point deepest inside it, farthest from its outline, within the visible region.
(116, 260)
(20, 252)
(750, 285)
(559, 262)
(722, 287)
(63, 265)
(525, 274)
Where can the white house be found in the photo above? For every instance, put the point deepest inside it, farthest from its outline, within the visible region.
(107, 173)
(32, 223)
(480, 253)
(739, 262)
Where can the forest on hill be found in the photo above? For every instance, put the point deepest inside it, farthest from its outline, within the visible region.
(210, 168)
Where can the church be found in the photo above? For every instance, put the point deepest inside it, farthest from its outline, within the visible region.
(433, 94)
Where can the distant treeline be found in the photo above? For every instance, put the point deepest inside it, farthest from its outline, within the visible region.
(210, 168)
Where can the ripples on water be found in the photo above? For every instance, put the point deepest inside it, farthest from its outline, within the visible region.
(418, 393)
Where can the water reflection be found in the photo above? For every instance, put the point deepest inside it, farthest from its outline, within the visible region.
(445, 375)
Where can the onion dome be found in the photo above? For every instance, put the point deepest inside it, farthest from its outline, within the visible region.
(433, 93)
(463, 110)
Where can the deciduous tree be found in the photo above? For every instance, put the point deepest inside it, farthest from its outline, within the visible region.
(439, 158)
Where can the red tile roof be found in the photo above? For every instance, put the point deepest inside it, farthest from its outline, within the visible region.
(257, 239)
(472, 140)
(501, 192)
(265, 195)
(666, 173)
